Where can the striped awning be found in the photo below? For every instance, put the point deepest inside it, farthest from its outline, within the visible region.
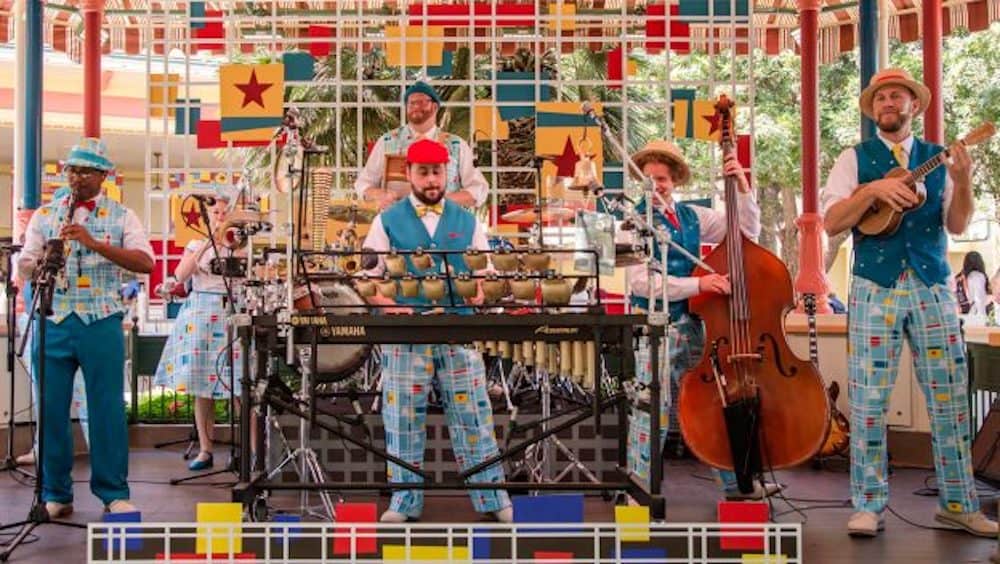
(775, 21)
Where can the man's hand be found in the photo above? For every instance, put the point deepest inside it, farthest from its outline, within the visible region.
(714, 284)
(894, 192)
(960, 165)
(732, 167)
(78, 233)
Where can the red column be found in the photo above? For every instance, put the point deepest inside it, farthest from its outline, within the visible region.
(934, 117)
(93, 15)
(812, 277)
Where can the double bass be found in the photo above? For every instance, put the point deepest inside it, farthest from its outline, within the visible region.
(750, 403)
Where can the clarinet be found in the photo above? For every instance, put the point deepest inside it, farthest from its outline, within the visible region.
(61, 279)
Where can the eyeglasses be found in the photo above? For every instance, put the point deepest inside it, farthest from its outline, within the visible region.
(419, 102)
(82, 170)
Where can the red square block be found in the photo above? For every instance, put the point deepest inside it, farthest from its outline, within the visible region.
(743, 512)
(365, 542)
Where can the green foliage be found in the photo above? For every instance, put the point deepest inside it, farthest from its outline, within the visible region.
(168, 406)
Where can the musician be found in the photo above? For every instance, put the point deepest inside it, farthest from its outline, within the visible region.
(900, 289)
(195, 359)
(428, 220)
(689, 226)
(466, 186)
(104, 240)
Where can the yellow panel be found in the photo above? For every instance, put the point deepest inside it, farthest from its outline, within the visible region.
(397, 553)
(764, 559)
(232, 98)
(568, 12)
(162, 90)
(418, 36)
(485, 114)
(219, 513)
(638, 520)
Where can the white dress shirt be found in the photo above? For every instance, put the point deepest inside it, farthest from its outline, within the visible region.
(711, 230)
(135, 238)
(843, 178)
(378, 240)
(471, 178)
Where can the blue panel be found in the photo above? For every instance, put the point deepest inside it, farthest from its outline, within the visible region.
(519, 93)
(445, 68)
(566, 508)
(113, 542)
(197, 10)
(186, 119)
(299, 65)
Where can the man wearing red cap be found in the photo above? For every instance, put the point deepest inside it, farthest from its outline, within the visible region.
(427, 220)
(899, 289)
(465, 183)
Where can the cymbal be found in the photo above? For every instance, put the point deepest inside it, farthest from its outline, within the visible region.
(352, 213)
(528, 216)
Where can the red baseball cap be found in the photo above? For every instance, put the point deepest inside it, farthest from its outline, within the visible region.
(427, 151)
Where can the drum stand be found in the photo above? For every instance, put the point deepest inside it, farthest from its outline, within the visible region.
(308, 467)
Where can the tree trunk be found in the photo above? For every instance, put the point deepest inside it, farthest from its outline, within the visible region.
(832, 246)
(771, 217)
(789, 231)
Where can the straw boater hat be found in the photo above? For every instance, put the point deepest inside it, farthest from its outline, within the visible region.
(659, 150)
(893, 77)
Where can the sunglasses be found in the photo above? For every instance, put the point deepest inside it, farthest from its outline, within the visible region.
(83, 170)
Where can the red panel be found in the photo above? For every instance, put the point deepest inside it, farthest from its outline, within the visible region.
(743, 512)
(158, 38)
(979, 15)
(318, 47)
(59, 38)
(656, 27)
(4, 37)
(743, 153)
(156, 277)
(772, 41)
(846, 38)
(365, 541)
(132, 36)
(909, 27)
(210, 137)
(945, 21)
(507, 15)
(212, 30)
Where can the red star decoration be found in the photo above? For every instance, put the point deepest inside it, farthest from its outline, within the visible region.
(253, 91)
(566, 162)
(715, 120)
(192, 218)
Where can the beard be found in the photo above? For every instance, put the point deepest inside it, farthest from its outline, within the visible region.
(418, 117)
(892, 122)
(421, 194)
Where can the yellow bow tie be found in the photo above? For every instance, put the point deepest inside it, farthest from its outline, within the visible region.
(424, 209)
(900, 154)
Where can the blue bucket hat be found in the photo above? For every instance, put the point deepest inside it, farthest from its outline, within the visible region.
(90, 152)
(421, 87)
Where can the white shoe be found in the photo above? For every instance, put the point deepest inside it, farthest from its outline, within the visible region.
(505, 515)
(120, 506)
(865, 524)
(391, 516)
(758, 492)
(57, 510)
(975, 522)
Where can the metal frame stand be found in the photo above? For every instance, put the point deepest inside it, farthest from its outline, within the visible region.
(9, 463)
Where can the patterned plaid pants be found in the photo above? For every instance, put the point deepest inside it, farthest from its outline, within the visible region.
(407, 371)
(879, 319)
(687, 340)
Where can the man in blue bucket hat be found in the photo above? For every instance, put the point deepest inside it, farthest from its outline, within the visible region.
(104, 240)
(383, 178)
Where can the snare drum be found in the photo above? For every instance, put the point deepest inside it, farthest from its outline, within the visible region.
(334, 362)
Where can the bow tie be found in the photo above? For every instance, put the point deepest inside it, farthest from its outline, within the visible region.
(89, 204)
(424, 209)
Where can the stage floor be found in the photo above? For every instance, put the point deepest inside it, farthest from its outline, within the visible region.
(822, 495)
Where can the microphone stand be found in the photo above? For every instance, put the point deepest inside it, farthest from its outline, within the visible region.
(41, 307)
(9, 462)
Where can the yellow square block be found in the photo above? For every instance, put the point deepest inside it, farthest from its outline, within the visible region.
(765, 559)
(568, 12)
(397, 553)
(223, 513)
(414, 37)
(637, 519)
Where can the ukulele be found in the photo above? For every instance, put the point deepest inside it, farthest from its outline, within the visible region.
(881, 219)
(838, 438)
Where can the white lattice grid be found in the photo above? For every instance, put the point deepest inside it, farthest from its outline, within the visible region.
(782, 541)
(360, 26)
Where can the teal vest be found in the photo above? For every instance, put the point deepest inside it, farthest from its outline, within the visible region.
(100, 299)
(398, 141)
(920, 243)
(687, 236)
(407, 232)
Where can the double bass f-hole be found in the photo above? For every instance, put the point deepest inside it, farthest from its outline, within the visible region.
(768, 339)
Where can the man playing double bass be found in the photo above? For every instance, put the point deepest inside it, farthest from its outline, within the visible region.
(899, 290)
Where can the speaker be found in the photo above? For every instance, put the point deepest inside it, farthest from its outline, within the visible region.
(986, 448)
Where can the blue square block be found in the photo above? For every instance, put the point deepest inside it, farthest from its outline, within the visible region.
(281, 532)
(566, 508)
(115, 534)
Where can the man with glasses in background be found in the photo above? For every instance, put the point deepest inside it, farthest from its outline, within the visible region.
(383, 178)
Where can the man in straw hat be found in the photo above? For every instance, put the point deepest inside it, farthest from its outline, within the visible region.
(427, 220)
(466, 185)
(104, 240)
(689, 226)
(900, 288)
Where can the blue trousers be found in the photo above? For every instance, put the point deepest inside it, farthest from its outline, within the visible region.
(98, 349)
(687, 339)
(407, 371)
(927, 317)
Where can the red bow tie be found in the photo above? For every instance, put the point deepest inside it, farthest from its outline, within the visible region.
(89, 204)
